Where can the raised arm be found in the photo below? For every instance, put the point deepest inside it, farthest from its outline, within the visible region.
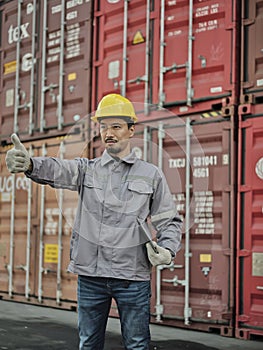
(55, 172)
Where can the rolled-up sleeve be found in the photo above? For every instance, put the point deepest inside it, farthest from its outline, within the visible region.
(56, 172)
(164, 217)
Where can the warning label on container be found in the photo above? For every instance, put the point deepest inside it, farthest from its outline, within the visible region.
(72, 76)
(51, 253)
(9, 67)
(138, 38)
(205, 258)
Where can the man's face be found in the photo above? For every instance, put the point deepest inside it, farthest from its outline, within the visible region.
(116, 135)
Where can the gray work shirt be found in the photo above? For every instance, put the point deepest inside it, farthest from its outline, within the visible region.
(115, 196)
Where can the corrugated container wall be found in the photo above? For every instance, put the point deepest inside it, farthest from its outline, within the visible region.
(178, 54)
(143, 63)
(46, 59)
(252, 52)
(196, 291)
(193, 70)
(249, 292)
(197, 157)
(249, 283)
(36, 223)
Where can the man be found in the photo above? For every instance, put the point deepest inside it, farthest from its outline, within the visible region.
(111, 246)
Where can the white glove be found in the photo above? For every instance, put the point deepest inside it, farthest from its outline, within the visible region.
(17, 159)
(162, 256)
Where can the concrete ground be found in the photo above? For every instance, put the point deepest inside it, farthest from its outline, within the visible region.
(30, 327)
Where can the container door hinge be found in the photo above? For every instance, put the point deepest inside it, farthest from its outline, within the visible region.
(244, 188)
(248, 22)
(227, 252)
(246, 124)
(228, 188)
(244, 253)
(243, 318)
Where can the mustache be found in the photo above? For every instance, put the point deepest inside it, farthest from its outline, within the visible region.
(110, 139)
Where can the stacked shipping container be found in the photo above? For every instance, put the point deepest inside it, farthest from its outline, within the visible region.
(188, 66)
(185, 50)
(36, 225)
(193, 71)
(249, 288)
(45, 55)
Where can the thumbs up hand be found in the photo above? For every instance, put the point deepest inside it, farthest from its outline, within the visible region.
(17, 159)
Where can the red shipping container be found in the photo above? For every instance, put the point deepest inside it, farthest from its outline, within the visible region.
(249, 291)
(46, 59)
(198, 160)
(197, 291)
(176, 54)
(252, 52)
(35, 231)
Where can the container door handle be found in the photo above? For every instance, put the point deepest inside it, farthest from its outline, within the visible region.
(175, 281)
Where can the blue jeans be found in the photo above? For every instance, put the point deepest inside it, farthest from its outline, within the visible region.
(94, 301)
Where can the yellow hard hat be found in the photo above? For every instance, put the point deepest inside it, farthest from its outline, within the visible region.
(114, 105)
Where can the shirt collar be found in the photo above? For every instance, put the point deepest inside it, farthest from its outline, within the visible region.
(106, 158)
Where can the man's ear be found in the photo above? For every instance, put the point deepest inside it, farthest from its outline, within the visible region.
(132, 129)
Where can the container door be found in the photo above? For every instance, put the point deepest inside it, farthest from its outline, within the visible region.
(51, 247)
(57, 209)
(46, 59)
(18, 206)
(252, 52)
(35, 231)
(18, 59)
(196, 66)
(167, 53)
(123, 52)
(250, 241)
(197, 290)
(64, 84)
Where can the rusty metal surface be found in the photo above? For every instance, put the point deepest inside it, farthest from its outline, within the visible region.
(211, 275)
(249, 230)
(45, 85)
(211, 235)
(252, 54)
(34, 250)
(211, 240)
(182, 58)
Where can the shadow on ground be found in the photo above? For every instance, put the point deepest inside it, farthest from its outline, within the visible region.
(43, 335)
(114, 343)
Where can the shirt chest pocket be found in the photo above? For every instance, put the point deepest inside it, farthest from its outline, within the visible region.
(139, 197)
(92, 192)
(143, 188)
